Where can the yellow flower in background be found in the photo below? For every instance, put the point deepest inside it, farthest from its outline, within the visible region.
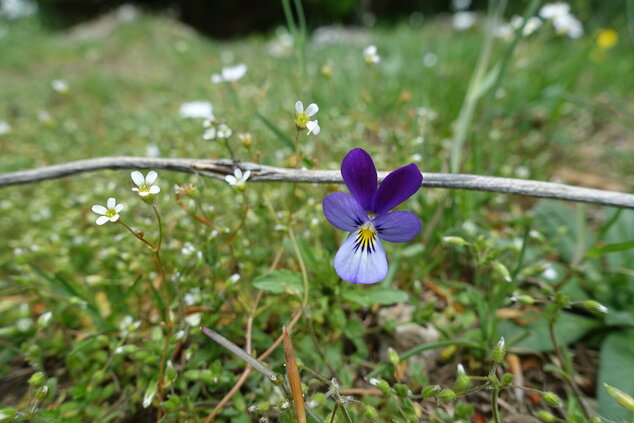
(607, 38)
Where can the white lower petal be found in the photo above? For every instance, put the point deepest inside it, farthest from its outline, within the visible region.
(102, 219)
(114, 218)
(361, 265)
(155, 189)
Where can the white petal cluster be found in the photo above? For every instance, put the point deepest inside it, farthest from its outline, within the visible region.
(370, 55)
(229, 74)
(219, 130)
(464, 20)
(302, 117)
(564, 22)
(238, 179)
(60, 86)
(197, 110)
(145, 184)
(110, 213)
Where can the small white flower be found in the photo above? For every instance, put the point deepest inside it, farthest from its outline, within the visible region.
(217, 131)
(313, 127)
(374, 381)
(60, 86)
(370, 55)
(197, 110)
(302, 117)
(238, 179)
(568, 25)
(532, 24)
(152, 150)
(145, 185)
(430, 59)
(229, 74)
(550, 273)
(464, 20)
(5, 128)
(110, 213)
(554, 10)
(224, 131)
(15, 9)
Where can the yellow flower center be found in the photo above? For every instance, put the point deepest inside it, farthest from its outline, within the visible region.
(110, 213)
(365, 238)
(301, 119)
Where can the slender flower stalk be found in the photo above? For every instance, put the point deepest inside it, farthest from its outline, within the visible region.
(366, 213)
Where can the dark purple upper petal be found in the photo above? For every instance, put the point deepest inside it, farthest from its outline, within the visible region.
(343, 211)
(359, 174)
(397, 226)
(397, 187)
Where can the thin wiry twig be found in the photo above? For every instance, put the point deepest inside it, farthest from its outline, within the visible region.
(219, 168)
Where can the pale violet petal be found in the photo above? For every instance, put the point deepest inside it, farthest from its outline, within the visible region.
(137, 178)
(99, 209)
(151, 177)
(299, 107)
(311, 109)
(361, 265)
(118, 208)
(102, 219)
(111, 203)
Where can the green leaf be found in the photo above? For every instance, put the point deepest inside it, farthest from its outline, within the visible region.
(616, 369)
(375, 295)
(284, 139)
(568, 329)
(619, 318)
(610, 248)
(280, 281)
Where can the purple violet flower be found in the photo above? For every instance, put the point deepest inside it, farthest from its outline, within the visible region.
(366, 213)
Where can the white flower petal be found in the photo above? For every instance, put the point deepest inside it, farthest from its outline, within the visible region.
(144, 193)
(246, 175)
(118, 208)
(99, 209)
(155, 189)
(217, 78)
(238, 173)
(151, 177)
(311, 109)
(114, 218)
(102, 219)
(135, 189)
(313, 127)
(231, 180)
(299, 107)
(111, 203)
(137, 178)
